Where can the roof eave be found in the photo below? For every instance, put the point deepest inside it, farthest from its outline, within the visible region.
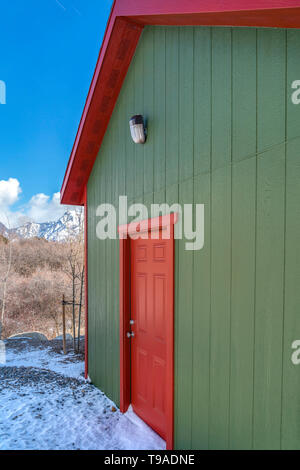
(124, 27)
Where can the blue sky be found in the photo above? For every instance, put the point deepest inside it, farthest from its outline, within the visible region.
(48, 53)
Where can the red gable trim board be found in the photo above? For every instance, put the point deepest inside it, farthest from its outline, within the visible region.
(125, 24)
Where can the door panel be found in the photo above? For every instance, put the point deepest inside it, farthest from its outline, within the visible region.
(151, 310)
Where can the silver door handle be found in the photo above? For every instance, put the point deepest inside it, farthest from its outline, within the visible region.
(129, 334)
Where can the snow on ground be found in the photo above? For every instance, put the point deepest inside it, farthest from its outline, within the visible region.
(45, 403)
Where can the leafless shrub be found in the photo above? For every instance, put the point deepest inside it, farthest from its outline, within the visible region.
(39, 275)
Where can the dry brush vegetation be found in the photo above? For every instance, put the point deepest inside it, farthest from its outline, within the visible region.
(34, 275)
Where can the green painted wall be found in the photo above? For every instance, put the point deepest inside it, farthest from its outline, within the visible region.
(224, 132)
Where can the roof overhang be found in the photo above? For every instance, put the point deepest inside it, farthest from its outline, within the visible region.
(124, 27)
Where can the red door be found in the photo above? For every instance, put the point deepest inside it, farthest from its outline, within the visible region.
(152, 326)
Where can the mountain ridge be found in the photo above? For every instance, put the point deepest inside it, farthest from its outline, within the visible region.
(66, 227)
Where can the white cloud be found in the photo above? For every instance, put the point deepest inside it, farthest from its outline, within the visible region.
(43, 208)
(40, 208)
(9, 195)
(9, 192)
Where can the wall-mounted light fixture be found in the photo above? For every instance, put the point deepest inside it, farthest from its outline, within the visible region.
(138, 129)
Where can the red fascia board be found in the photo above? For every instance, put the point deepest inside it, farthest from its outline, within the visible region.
(114, 60)
(279, 18)
(123, 31)
(193, 7)
(89, 96)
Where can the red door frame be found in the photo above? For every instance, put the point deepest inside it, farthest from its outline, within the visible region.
(125, 311)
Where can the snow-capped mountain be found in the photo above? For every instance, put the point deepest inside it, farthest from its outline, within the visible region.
(67, 226)
(3, 230)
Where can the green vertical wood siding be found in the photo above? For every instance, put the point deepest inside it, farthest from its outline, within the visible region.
(222, 131)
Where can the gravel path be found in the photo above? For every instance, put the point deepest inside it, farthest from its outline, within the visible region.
(18, 377)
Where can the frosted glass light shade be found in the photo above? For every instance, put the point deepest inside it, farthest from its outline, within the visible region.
(137, 129)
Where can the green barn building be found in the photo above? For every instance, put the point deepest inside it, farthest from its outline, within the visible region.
(213, 362)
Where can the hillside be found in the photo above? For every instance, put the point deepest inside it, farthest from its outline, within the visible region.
(35, 273)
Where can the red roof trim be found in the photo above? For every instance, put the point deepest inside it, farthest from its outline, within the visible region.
(123, 31)
(88, 99)
(183, 7)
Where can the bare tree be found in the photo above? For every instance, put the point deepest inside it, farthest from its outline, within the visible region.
(34, 275)
(6, 262)
(33, 301)
(81, 272)
(75, 270)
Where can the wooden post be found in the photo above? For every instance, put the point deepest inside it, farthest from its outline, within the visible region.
(64, 324)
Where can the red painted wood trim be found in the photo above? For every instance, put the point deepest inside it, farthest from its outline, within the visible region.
(118, 48)
(170, 360)
(125, 381)
(125, 306)
(147, 225)
(270, 18)
(86, 371)
(104, 45)
(183, 7)
(123, 31)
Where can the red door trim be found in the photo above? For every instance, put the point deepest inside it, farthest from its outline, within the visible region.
(125, 379)
(125, 384)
